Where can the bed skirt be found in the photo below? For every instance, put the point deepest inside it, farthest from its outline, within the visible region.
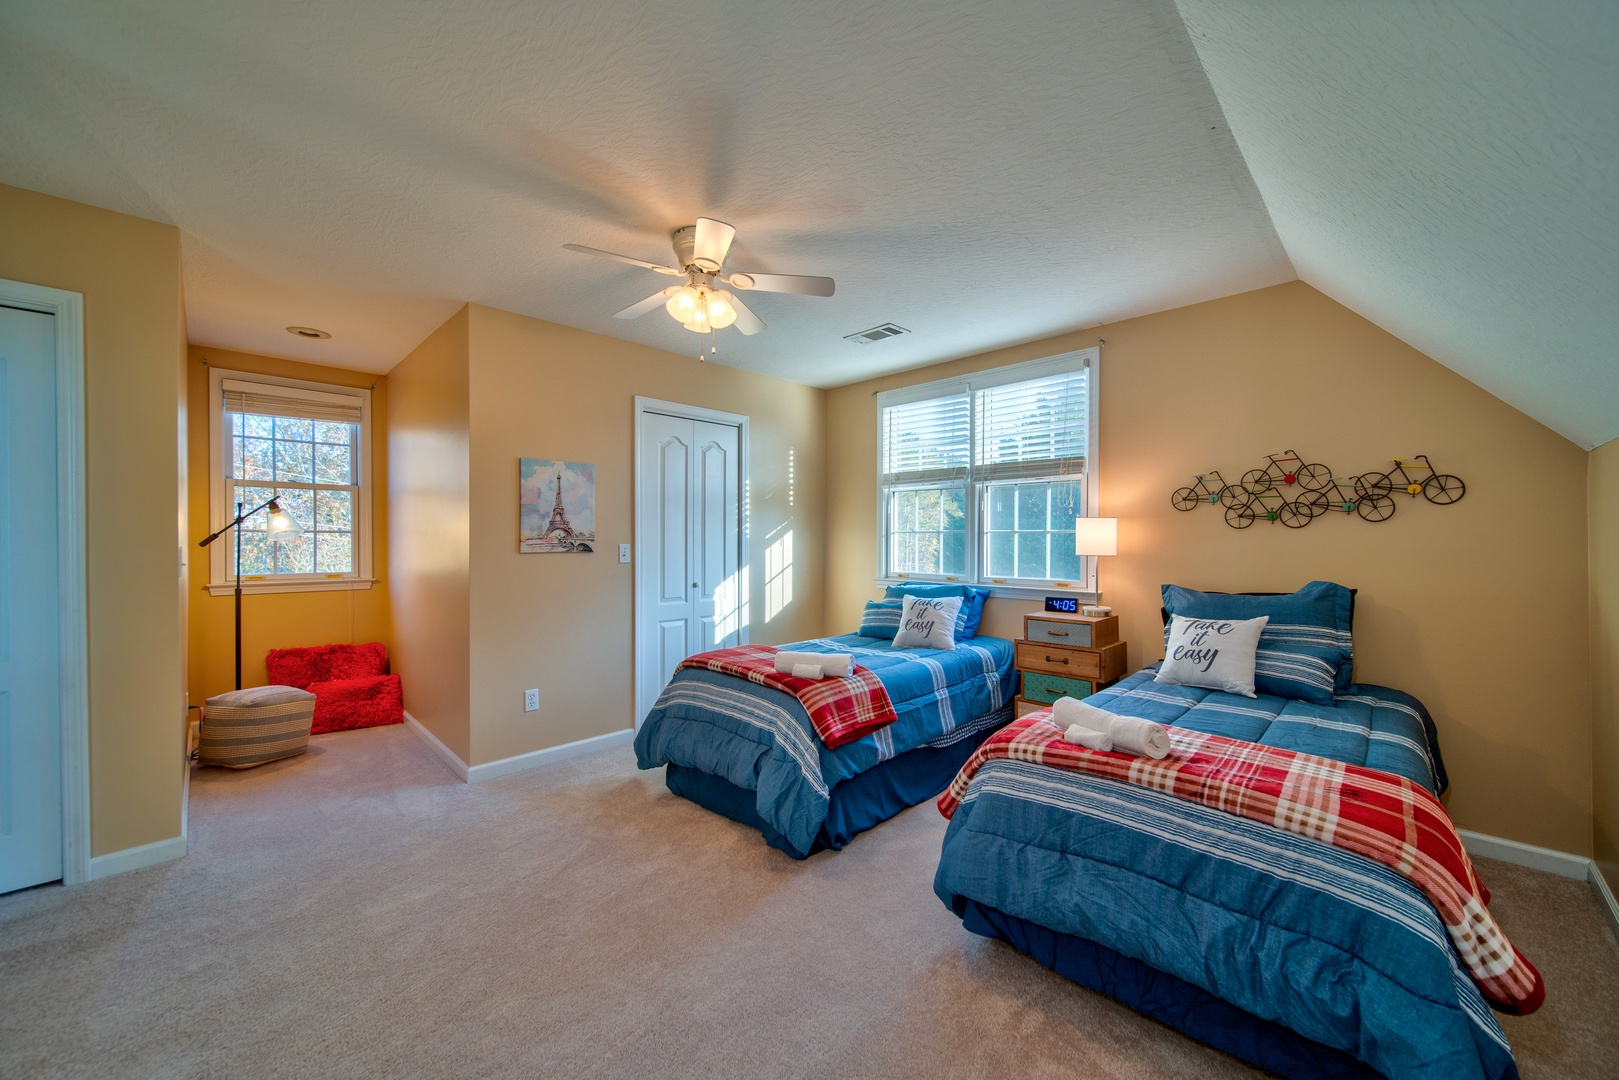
(1173, 1002)
(855, 805)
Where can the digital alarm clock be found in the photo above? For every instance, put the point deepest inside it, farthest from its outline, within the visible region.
(1069, 604)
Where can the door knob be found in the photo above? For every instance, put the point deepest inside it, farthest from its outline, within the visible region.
(694, 585)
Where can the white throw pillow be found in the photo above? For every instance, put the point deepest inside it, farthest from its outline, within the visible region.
(928, 622)
(1217, 654)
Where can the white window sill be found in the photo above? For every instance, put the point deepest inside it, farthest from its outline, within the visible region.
(250, 587)
(1000, 591)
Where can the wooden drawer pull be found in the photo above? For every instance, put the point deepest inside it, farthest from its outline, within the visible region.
(1056, 659)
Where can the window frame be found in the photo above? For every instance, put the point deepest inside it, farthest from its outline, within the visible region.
(221, 510)
(1085, 589)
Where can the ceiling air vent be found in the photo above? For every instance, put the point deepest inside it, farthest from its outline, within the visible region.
(876, 333)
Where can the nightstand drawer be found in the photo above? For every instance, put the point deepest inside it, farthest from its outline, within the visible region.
(1085, 633)
(1038, 686)
(1022, 706)
(1104, 664)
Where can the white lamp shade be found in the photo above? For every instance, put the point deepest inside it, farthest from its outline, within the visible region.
(1096, 536)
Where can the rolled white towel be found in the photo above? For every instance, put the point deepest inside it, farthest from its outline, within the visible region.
(840, 664)
(807, 671)
(1130, 735)
(1080, 735)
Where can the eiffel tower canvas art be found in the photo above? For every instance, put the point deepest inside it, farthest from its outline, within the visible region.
(556, 506)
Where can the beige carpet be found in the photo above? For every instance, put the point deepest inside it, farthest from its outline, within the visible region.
(358, 912)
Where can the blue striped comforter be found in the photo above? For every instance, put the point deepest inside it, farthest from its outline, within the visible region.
(1342, 950)
(762, 740)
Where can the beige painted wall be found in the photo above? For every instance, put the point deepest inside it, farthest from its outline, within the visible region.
(1219, 385)
(276, 620)
(428, 544)
(1602, 478)
(129, 272)
(564, 623)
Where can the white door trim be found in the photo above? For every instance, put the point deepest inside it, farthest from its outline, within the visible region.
(644, 405)
(68, 307)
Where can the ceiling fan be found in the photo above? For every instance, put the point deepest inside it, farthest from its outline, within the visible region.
(702, 305)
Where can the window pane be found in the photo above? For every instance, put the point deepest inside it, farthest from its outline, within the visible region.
(295, 555)
(1065, 564)
(332, 464)
(332, 433)
(300, 503)
(1031, 555)
(257, 427)
(1031, 507)
(255, 554)
(904, 511)
(332, 511)
(927, 531)
(1002, 507)
(294, 461)
(1001, 547)
(249, 497)
(333, 553)
(294, 428)
(235, 422)
(257, 460)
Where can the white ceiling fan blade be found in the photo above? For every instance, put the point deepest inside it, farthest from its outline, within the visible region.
(623, 259)
(785, 283)
(746, 320)
(657, 299)
(712, 243)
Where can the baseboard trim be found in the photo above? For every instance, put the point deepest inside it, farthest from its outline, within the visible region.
(136, 858)
(505, 766)
(489, 770)
(1609, 905)
(447, 755)
(1560, 863)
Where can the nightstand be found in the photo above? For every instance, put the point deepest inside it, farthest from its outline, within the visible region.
(1067, 656)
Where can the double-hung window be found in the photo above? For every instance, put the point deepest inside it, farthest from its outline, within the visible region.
(980, 478)
(307, 445)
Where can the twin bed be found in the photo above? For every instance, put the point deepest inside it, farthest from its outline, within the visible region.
(1291, 954)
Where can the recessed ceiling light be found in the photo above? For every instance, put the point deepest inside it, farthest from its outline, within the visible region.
(307, 331)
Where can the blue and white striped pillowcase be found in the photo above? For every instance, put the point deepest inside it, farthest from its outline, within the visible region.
(1298, 661)
(881, 619)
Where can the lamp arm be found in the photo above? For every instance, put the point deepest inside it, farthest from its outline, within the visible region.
(211, 537)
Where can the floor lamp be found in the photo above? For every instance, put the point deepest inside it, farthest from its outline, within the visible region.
(280, 526)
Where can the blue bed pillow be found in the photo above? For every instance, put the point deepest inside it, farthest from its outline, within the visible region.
(972, 608)
(1307, 649)
(881, 619)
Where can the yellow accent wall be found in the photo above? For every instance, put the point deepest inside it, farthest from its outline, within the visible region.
(1478, 608)
(129, 272)
(428, 543)
(1603, 485)
(563, 622)
(275, 620)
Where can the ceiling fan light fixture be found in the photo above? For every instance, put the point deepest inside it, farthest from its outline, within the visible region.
(720, 312)
(684, 303)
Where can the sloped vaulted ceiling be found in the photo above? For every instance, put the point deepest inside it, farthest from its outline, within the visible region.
(1448, 170)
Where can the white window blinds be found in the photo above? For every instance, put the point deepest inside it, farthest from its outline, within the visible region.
(1032, 428)
(263, 400)
(927, 440)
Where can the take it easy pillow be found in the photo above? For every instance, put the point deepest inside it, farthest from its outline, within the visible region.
(1307, 649)
(928, 622)
(972, 608)
(881, 619)
(1216, 654)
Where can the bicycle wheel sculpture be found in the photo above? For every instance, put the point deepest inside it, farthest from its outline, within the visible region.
(1263, 493)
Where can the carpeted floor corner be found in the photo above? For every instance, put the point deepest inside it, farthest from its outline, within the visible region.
(358, 912)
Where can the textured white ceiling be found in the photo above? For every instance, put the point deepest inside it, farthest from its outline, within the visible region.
(981, 174)
(1448, 170)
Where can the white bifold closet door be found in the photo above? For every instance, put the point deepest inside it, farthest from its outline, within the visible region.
(689, 530)
(30, 671)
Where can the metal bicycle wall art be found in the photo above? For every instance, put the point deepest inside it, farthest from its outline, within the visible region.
(1295, 492)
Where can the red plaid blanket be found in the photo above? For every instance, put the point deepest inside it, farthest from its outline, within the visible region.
(1378, 815)
(842, 709)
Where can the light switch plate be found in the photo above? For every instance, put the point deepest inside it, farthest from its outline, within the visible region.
(623, 553)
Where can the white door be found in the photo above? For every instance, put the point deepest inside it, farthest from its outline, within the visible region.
(689, 530)
(30, 696)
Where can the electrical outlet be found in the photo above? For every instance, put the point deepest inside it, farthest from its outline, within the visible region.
(531, 701)
(623, 553)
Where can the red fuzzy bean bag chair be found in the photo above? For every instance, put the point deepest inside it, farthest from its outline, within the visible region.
(350, 682)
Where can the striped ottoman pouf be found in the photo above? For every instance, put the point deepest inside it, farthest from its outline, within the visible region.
(245, 728)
